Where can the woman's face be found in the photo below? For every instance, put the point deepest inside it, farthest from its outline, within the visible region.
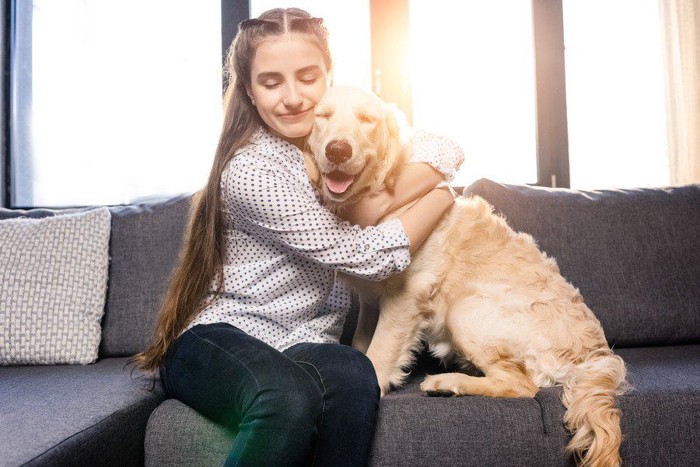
(288, 78)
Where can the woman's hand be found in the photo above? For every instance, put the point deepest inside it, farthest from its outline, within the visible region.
(413, 181)
(369, 209)
(420, 220)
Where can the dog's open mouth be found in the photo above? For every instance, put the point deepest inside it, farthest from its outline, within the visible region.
(338, 182)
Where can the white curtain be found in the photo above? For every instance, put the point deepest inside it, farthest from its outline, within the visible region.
(680, 21)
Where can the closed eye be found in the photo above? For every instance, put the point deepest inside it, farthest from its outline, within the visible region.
(366, 118)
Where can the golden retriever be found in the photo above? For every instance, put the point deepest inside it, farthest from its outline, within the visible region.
(476, 291)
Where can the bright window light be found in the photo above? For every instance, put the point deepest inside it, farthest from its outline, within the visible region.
(125, 100)
(615, 94)
(474, 81)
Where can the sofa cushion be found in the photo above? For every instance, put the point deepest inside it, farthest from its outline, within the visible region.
(74, 415)
(661, 411)
(53, 280)
(145, 244)
(634, 254)
(179, 435)
(662, 408)
(413, 429)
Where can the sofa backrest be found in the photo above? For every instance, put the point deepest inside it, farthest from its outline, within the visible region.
(144, 248)
(634, 254)
(144, 245)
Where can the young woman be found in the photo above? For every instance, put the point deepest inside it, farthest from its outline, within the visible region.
(249, 327)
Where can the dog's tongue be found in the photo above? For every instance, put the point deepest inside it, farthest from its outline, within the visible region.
(338, 182)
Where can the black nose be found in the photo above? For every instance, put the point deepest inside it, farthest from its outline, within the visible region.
(338, 151)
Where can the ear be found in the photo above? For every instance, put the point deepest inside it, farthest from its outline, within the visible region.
(395, 128)
(248, 91)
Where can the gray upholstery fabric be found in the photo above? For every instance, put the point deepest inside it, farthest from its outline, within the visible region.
(663, 409)
(633, 254)
(413, 429)
(96, 415)
(74, 414)
(144, 247)
(179, 435)
(38, 213)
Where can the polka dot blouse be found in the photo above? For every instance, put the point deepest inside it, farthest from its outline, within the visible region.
(283, 247)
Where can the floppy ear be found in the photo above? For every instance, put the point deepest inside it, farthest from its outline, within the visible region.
(395, 129)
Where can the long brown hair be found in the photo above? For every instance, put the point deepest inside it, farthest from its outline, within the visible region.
(201, 258)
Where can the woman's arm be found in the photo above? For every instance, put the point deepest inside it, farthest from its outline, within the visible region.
(420, 220)
(442, 153)
(272, 205)
(434, 161)
(414, 181)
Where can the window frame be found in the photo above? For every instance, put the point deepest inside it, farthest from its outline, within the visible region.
(7, 8)
(550, 81)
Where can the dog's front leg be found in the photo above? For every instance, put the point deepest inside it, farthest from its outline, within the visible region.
(395, 339)
(366, 323)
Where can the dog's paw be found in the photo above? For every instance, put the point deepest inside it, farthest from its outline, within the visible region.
(440, 386)
(439, 393)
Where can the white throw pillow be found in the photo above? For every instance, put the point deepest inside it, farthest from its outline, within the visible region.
(53, 284)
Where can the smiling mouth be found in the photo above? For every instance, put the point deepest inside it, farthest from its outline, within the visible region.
(338, 182)
(295, 115)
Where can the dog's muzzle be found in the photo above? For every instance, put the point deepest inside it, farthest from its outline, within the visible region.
(338, 151)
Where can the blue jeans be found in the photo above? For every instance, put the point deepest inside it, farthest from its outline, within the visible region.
(313, 404)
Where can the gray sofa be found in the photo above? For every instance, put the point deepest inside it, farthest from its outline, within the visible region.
(634, 254)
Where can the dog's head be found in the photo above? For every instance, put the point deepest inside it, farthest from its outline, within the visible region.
(356, 144)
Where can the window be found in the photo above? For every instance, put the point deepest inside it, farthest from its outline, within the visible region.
(116, 99)
(615, 94)
(473, 80)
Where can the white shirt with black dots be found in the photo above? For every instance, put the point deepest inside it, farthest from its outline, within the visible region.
(283, 247)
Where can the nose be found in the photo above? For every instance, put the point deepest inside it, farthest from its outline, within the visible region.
(292, 97)
(338, 151)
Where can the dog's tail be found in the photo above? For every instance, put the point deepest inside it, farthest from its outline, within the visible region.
(592, 415)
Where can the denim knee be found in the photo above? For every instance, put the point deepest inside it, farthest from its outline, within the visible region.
(295, 400)
(361, 374)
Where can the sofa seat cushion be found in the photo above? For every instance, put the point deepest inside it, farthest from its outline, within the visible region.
(74, 414)
(661, 411)
(413, 429)
(661, 414)
(179, 435)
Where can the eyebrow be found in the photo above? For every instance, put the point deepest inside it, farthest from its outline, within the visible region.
(275, 74)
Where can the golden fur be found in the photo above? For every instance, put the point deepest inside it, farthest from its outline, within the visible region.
(476, 291)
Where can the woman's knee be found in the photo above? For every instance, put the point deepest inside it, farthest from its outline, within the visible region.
(361, 371)
(351, 371)
(293, 397)
(227, 375)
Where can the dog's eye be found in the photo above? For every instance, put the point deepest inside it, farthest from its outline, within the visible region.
(366, 118)
(322, 114)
